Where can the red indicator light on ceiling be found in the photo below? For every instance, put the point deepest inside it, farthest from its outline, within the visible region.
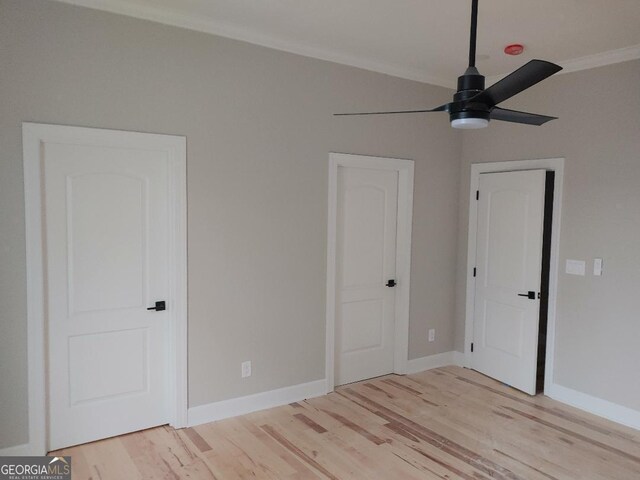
(514, 49)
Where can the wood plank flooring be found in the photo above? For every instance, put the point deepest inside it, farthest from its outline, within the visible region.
(448, 423)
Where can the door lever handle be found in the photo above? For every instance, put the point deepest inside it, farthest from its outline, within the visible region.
(531, 295)
(391, 283)
(160, 306)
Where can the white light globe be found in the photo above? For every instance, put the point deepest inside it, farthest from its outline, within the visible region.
(470, 123)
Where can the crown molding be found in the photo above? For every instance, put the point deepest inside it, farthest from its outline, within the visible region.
(193, 22)
(602, 59)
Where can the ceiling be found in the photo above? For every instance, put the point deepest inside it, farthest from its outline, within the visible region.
(425, 40)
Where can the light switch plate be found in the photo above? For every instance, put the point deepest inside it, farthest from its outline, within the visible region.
(576, 267)
(597, 267)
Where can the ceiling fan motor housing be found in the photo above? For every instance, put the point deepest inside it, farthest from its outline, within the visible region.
(474, 106)
(469, 85)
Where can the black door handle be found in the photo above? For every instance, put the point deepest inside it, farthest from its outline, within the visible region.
(391, 283)
(531, 295)
(160, 306)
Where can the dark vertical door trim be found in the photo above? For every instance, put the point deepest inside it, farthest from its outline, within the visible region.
(544, 280)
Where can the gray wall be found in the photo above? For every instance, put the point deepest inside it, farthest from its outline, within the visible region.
(598, 324)
(259, 129)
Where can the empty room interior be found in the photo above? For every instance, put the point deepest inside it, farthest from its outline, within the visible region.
(323, 239)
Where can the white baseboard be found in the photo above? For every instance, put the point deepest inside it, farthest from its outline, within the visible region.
(459, 359)
(434, 361)
(17, 451)
(252, 403)
(597, 406)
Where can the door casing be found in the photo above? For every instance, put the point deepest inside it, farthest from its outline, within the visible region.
(34, 135)
(405, 169)
(553, 164)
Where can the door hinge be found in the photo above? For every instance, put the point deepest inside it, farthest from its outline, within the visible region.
(471, 347)
(477, 194)
(474, 271)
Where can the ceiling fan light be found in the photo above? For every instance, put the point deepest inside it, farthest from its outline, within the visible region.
(470, 123)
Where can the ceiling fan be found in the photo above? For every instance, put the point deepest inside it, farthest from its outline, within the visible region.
(473, 105)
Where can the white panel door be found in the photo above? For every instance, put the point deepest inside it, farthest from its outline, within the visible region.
(366, 261)
(106, 248)
(509, 262)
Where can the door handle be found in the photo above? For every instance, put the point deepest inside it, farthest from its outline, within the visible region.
(531, 295)
(391, 283)
(160, 306)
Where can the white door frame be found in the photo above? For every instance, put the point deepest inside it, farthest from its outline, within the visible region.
(403, 254)
(556, 165)
(34, 135)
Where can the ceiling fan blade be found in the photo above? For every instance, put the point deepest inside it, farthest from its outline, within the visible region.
(519, 117)
(526, 76)
(441, 108)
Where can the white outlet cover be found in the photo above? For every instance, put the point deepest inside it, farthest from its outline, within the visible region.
(246, 369)
(576, 267)
(432, 335)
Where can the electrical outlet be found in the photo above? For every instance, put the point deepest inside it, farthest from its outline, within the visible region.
(432, 334)
(246, 369)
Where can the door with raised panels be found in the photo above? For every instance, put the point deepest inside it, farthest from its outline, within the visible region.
(106, 245)
(507, 287)
(366, 266)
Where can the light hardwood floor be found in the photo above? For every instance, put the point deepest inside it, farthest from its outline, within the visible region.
(448, 423)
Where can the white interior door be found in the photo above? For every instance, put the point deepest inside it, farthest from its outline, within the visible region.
(106, 248)
(367, 210)
(509, 261)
